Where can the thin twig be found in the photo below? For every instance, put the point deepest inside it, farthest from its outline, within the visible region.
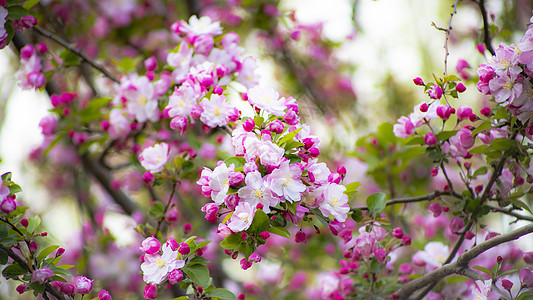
(458, 266)
(486, 27)
(76, 51)
(166, 208)
(427, 197)
(510, 212)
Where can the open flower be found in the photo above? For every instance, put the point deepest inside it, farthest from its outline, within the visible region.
(154, 158)
(156, 267)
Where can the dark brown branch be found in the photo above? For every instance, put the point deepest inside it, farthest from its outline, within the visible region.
(510, 212)
(76, 51)
(103, 177)
(22, 263)
(486, 27)
(462, 262)
(427, 197)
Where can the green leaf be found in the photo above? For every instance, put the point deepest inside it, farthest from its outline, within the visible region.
(509, 272)
(483, 269)
(7, 176)
(30, 3)
(181, 298)
(16, 12)
(231, 242)
(127, 64)
(13, 271)
(157, 209)
(280, 231)
(259, 120)
(238, 161)
(450, 78)
(199, 274)
(478, 150)
(521, 204)
(46, 251)
(525, 296)
(198, 260)
(481, 127)
(33, 222)
(10, 31)
(480, 171)
(289, 136)
(357, 215)
(14, 188)
(69, 58)
(3, 230)
(444, 135)
(3, 257)
(260, 223)
(416, 140)
(222, 294)
(376, 202)
(351, 188)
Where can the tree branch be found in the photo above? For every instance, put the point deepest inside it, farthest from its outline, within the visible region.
(486, 26)
(427, 197)
(462, 262)
(76, 51)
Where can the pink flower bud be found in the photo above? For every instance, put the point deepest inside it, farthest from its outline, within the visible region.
(41, 48)
(481, 48)
(150, 292)
(184, 249)
(8, 205)
(518, 180)
(507, 284)
(491, 235)
(230, 39)
(175, 276)
(179, 123)
(171, 216)
(397, 233)
(264, 235)
(68, 289)
(291, 117)
(406, 240)
(36, 79)
(249, 125)
(381, 255)
(104, 295)
(430, 139)
(457, 224)
(60, 252)
(443, 111)
(24, 222)
(245, 264)
(150, 64)
(528, 257)
(418, 81)
(21, 288)
(83, 285)
(464, 112)
(148, 177)
(346, 235)
(28, 21)
(423, 107)
(300, 237)
(526, 277)
(435, 92)
(150, 245)
(171, 242)
(434, 172)
(255, 257)
(486, 111)
(436, 209)
(218, 90)
(341, 170)
(405, 269)
(469, 235)
(276, 126)
(460, 88)
(241, 296)
(26, 52)
(314, 152)
(244, 235)
(235, 178)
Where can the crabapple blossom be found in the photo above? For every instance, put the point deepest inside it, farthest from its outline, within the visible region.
(335, 202)
(285, 182)
(434, 255)
(156, 267)
(201, 26)
(219, 182)
(215, 111)
(257, 191)
(242, 217)
(83, 285)
(267, 99)
(41, 275)
(150, 245)
(404, 128)
(155, 157)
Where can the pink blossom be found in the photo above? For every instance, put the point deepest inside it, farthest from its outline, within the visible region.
(434, 255)
(505, 89)
(141, 101)
(156, 267)
(104, 295)
(285, 182)
(150, 292)
(247, 74)
(404, 128)
(219, 183)
(154, 158)
(8, 205)
(435, 92)
(201, 26)
(257, 191)
(48, 125)
(119, 126)
(181, 61)
(215, 110)
(270, 154)
(430, 139)
(83, 285)
(329, 283)
(41, 275)
(335, 202)
(242, 217)
(268, 100)
(150, 245)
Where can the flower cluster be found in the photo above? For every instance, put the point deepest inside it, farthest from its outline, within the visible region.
(30, 75)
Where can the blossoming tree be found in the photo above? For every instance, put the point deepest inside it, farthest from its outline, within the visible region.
(169, 124)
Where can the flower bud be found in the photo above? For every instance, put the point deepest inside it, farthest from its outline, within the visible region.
(300, 237)
(150, 245)
(397, 233)
(175, 276)
(430, 139)
(418, 81)
(264, 235)
(507, 284)
(184, 249)
(460, 88)
(443, 111)
(150, 292)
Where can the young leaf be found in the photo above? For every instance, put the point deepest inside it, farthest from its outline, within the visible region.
(280, 231)
(199, 274)
(376, 202)
(222, 294)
